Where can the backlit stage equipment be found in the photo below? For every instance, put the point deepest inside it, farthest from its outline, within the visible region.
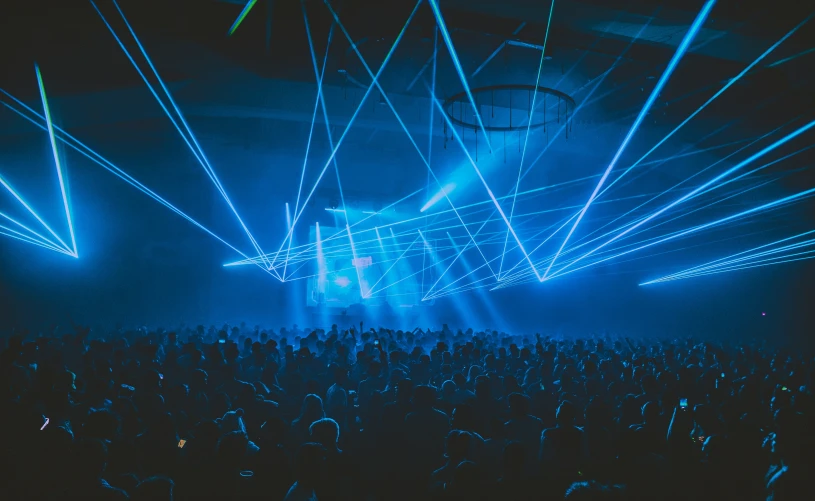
(376, 277)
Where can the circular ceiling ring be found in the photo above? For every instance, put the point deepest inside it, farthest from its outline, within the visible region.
(462, 97)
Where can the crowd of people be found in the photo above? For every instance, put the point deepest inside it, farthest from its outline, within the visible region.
(377, 414)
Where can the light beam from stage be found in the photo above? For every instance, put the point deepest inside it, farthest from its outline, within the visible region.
(350, 123)
(663, 80)
(737, 257)
(782, 201)
(106, 164)
(384, 97)
(712, 98)
(57, 163)
(31, 210)
(678, 201)
(46, 242)
(190, 141)
(526, 139)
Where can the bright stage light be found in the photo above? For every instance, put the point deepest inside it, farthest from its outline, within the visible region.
(680, 51)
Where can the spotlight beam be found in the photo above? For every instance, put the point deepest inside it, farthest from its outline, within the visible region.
(57, 163)
(350, 123)
(191, 142)
(95, 157)
(680, 52)
(526, 139)
(241, 16)
(712, 98)
(704, 186)
(434, 5)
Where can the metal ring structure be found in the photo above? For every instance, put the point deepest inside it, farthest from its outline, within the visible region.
(462, 97)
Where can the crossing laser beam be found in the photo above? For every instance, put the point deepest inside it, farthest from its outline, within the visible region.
(191, 141)
(350, 123)
(680, 52)
(710, 100)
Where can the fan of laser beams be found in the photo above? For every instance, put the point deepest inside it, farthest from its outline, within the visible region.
(12, 228)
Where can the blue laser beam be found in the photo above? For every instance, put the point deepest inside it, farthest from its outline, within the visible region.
(486, 186)
(196, 150)
(692, 193)
(16, 235)
(788, 199)
(19, 198)
(319, 75)
(434, 5)
(57, 162)
(526, 139)
(515, 280)
(40, 237)
(98, 159)
(393, 264)
(788, 59)
(42, 241)
(697, 173)
(351, 121)
(241, 16)
(710, 100)
(680, 52)
(758, 264)
(399, 119)
(734, 257)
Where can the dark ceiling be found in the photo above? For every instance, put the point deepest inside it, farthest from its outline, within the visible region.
(261, 81)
